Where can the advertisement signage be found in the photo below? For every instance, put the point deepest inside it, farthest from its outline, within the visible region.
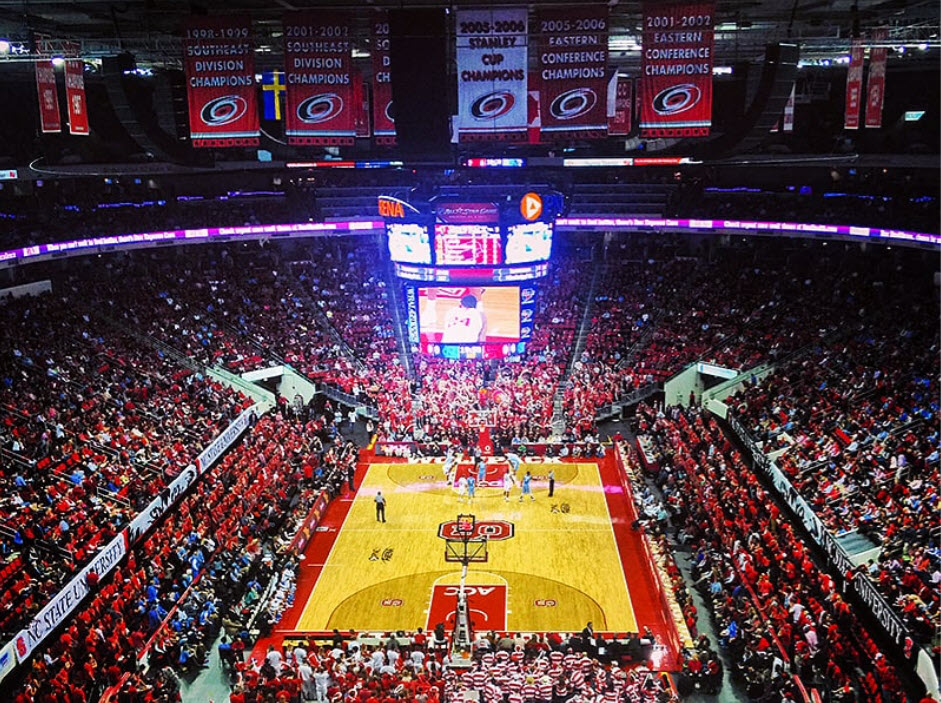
(491, 74)
(676, 69)
(219, 58)
(321, 99)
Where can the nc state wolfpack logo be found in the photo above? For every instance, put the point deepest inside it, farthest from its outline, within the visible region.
(493, 530)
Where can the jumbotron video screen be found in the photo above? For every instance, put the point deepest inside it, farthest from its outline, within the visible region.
(469, 315)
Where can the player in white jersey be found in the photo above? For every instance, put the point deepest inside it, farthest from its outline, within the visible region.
(461, 488)
(507, 485)
(465, 324)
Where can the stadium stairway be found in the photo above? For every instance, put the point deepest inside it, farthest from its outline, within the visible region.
(558, 415)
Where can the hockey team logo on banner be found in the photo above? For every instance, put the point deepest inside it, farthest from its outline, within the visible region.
(573, 63)
(492, 73)
(383, 116)
(854, 86)
(48, 97)
(318, 57)
(219, 59)
(75, 97)
(676, 70)
(875, 85)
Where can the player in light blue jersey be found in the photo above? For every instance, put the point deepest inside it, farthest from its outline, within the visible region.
(526, 488)
(471, 489)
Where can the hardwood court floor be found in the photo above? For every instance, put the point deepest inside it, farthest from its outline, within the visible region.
(559, 569)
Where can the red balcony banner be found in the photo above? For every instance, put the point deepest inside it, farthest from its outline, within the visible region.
(854, 86)
(383, 116)
(620, 123)
(75, 96)
(875, 85)
(675, 87)
(219, 59)
(572, 65)
(49, 118)
(318, 58)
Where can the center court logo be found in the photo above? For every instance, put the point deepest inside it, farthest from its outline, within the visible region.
(223, 111)
(573, 103)
(319, 108)
(493, 530)
(492, 105)
(676, 99)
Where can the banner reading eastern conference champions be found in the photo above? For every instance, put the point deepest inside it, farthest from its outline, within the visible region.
(220, 81)
(572, 73)
(321, 100)
(491, 74)
(676, 69)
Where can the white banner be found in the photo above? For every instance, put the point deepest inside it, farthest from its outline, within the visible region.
(492, 74)
(226, 439)
(66, 600)
(7, 660)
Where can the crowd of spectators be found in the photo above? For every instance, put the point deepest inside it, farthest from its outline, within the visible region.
(854, 425)
(202, 569)
(777, 611)
(93, 425)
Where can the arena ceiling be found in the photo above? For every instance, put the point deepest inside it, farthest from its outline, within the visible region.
(150, 29)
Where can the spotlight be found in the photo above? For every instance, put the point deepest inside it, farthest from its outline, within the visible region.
(58, 61)
(4, 46)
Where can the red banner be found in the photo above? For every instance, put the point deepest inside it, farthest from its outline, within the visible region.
(361, 103)
(572, 64)
(75, 96)
(620, 122)
(854, 86)
(676, 69)
(48, 97)
(875, 88)
(383, 120)
(318, 58)
(219, 59)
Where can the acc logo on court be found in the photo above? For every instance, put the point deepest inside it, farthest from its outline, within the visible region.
(545, 603)
(492, 105)
(223, 111)
(319, 108)
(676, 99)
(391, 602)
(494, 530)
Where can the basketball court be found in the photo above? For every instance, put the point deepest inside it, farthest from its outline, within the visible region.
(552, 564)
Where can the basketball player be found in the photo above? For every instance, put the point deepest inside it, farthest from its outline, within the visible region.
(507, 485)
(471, 489)
(461, 488)
(514, 459)
(526, 488)
(465, 324)
(450, 460)
(481, 471)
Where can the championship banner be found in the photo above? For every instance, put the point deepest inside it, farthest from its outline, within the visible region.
(219, 59)
(573, 62)
(383, 119)
(48, 97)
(788, 119)
(854, 86)
(676, 69)
(75, 97)
(619, 124)
(491, 74)
(875, 88)
(318, 58)
(361, 104)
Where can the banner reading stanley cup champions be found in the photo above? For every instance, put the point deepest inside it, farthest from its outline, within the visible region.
(220, 81)
(676, 69)
(492, 73)
(318, 57)
(573, 64)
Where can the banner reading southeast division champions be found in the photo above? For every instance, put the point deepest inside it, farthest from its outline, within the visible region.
(220, 81)
(675, 87)
(573, 63)
(383, 118)
(491, 74)
(318, 57)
